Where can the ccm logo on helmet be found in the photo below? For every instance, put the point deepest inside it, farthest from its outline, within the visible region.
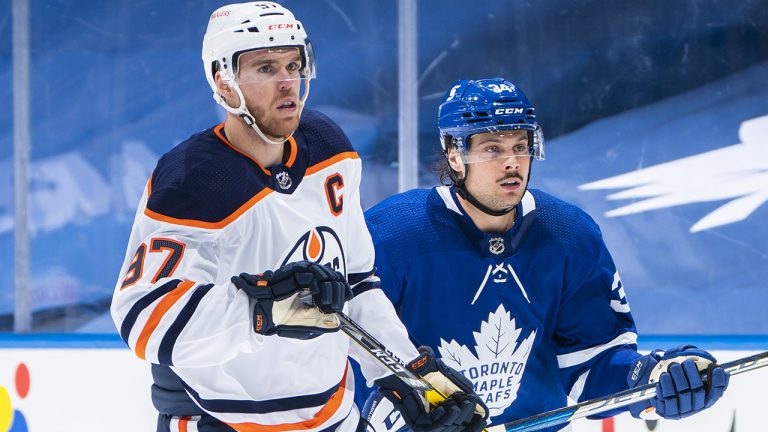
(508, 111)
(280, 26)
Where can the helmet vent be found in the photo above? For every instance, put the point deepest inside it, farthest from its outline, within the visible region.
(250, 29)
(481, 113)
(272, 14)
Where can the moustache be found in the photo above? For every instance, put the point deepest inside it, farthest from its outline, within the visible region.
(511, 175)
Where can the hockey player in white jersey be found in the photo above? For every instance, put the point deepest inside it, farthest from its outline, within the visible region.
(544, 312)
(248, 238)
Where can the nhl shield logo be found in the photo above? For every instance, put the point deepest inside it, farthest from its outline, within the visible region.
(496, 245)
(283, 180)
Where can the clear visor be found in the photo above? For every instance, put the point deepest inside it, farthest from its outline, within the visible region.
(275, 64)
(502, 145)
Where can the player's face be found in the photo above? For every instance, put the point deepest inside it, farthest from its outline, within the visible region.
(498, 182)
(270, 81)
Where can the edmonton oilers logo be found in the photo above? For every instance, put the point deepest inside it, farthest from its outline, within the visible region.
(321, 245)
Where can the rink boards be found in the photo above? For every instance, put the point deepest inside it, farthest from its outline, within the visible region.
(87, 383)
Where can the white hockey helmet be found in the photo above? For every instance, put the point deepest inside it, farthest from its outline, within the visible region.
(238, 28)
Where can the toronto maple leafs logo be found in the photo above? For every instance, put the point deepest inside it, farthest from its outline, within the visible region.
(737, 173)
(498, 367)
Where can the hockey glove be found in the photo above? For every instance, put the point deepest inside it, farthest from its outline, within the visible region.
(680, 391)
(462, 411)
(297, 300)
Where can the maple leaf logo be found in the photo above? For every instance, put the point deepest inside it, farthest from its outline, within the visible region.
(498, 367)
(737, 173)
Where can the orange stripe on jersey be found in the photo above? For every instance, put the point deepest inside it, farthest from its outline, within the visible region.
(291, 158)
(294, 151)
(149, 186)
(322, 416)
(183, 423)
(157, 314)
(330, 161)
(217, 131)
(210, 225)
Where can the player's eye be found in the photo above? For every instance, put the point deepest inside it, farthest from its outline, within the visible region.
(292, 67)
(492, 149)
(265, 69)
(520, 149)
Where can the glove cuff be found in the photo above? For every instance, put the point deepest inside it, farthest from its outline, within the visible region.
(393, 388)
(425, 363)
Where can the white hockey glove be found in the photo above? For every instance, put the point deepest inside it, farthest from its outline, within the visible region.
(281, 307)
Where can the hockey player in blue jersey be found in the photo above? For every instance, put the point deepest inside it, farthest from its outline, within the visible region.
(515, 287)
(248, 239)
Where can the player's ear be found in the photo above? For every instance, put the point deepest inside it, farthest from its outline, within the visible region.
(226, 91)
(454, 160)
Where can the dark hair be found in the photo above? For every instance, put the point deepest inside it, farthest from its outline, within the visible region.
(441, 165)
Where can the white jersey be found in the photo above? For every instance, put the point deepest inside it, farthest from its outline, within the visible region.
(210, 212)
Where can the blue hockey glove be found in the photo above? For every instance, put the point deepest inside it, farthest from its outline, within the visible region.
(281, 299)
(680, 391)
(462, 411)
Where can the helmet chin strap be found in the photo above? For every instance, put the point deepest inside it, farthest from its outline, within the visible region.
(250, 121)
(243, 113)
(461, 189)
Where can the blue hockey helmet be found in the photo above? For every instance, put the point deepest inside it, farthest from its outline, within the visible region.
(476, 106)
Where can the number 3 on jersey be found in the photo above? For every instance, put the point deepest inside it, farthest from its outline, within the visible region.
(158, 244)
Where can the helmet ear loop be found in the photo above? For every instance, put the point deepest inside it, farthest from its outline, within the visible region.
(460, 183)
(303, 99)
(229, 80)
(242, 111)
(453, 174)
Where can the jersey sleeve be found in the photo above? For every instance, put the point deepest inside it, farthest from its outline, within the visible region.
(171, 305)
(370, 307)
(595, 333)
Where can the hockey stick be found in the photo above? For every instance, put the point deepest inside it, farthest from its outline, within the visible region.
(381, 353)
(617, 400)
(389, 360)
(385, 357)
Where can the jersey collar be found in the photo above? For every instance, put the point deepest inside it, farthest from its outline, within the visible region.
(493, 245)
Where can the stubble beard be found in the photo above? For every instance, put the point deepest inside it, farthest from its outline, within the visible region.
(494, 202)
(274, 127)
(497, 201)
(277, 126)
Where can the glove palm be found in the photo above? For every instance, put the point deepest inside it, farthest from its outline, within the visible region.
(282, 299)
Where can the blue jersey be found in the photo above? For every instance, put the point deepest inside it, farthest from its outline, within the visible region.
(530, 316)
